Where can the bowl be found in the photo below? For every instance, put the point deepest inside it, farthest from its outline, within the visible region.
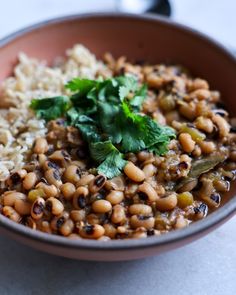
(156, 40)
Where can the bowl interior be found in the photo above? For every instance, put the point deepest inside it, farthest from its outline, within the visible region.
(139, 38)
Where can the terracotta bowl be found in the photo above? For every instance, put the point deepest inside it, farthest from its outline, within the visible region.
(149, 38)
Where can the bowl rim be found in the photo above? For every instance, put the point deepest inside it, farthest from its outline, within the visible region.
(197, 228)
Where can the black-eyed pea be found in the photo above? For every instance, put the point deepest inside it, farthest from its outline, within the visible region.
(185, 158)
(40, 146)
(57, 221)
(201, 94)
(49, 190)
(78, 215)
(213, 200)
(228, 175)
(115, 197)
(37, 208)
(30, 222)
(167, 103)
(53, 177)
(223, 185)
(222, 125)
(173, 145)
(68, 189)
(117, 183)
(186, 142)
(207, 147)
(121, 229)
(97, 183)
(206, 189)
(10, 197)
(16, 177)
(139, 234)
(181, 222)
(118, 215)
(200, 211)
(93, 218)
(147, 222)
(230, 165)
(60, 156)
(199, 84)
(154, 81)
(147, 192)
(31, 166)
(80, 164)
(132, 157)
(232, 155)
(184, 165)
(144, 155)
(150, 161)
(89, 231)
(149, 170)
(215, 96)
(110, 230)
(67, 227)
(140, 209)
(45, 227)
(204, 124)
(79, 197)
(29, 180)
(22, 173)
(54, 206)
(202, 107)
(131, 189)
(22, 207)
(153, 232)
(160, 190)
(197, 151)
(11, 213)
(72, 174)
(101, 206)
(159, 118)
(133, 172)
(167, 203)
(188, 110)
(41, 159)
(50, 165)
(172, 118)
(85, 180)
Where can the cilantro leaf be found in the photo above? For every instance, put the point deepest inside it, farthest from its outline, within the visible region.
(108, 119)
(85, 99)
(141, 132)
(112, 162)
(107, 116)
(81, 85)
(86, 125)
(138, 98)
(50, 108)
(127, 84)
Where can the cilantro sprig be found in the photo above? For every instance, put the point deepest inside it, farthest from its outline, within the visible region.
(107, 114)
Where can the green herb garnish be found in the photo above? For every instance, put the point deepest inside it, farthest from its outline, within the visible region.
(50, 108)
(107, 114)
